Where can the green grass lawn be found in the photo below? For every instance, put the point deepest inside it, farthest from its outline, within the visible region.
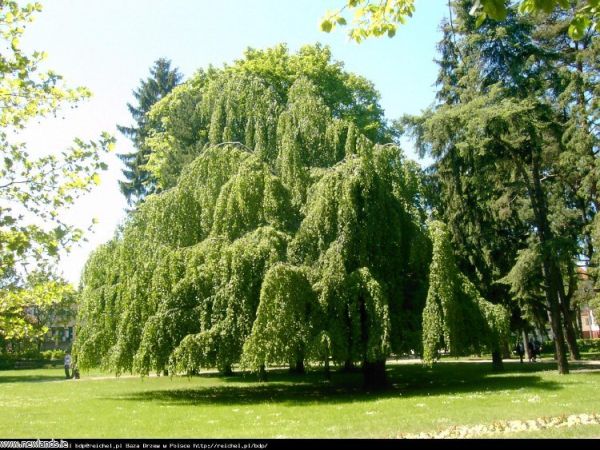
(41, 404)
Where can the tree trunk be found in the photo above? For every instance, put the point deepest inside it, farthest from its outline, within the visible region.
(497, 363)
(569, 316)
(526, 345)
(374, 374)
(570, 332)
(551, 271)
(579, 324)
(559, 339)
(551, 280)
(297, 366)
(327, 369)
(348, 366)
(226, 370)
(262, 373)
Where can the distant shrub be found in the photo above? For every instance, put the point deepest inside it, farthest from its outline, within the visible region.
(53, 354)
(589, 345)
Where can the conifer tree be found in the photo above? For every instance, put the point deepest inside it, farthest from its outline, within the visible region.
(510, 114)
(138, 182)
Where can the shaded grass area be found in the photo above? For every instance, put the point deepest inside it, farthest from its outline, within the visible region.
(405, 381)
(30, 376)
(39, 403)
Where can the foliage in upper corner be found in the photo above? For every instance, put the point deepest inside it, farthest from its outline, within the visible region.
(370, 19)
(383, 17)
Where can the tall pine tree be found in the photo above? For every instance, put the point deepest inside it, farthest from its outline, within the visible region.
(138, 181)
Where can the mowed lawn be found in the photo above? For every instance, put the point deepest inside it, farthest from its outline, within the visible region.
(41, 404)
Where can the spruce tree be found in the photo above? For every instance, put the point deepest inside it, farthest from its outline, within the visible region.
(138, 181)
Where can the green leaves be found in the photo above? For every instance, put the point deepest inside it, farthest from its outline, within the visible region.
(139, 181)
(245, 103)
(370, 19)
(374, 20)
(514, 147)
(285, 317)
(547, 6)
(25, 311)
(32, 234)
(326, 26)
(456, 318)
(496, 9)
(579, 27)
(201, 275)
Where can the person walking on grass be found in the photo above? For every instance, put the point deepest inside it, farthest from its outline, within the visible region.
(68, 365)
(535, 348)
(520, 351)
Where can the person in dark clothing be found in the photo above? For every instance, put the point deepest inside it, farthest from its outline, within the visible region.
(520, 349)
(537, 349)
(531, 349)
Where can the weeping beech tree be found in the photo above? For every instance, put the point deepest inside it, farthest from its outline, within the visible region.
(285, 319)
(244, 103)
(456, 318)
(230, 312)
(182, 273)
(285, 231)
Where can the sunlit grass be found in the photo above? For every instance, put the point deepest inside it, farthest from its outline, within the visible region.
(40, 403)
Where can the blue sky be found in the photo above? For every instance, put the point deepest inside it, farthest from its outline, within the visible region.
(109, 45)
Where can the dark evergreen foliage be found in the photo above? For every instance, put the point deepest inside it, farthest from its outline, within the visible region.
(138, 181)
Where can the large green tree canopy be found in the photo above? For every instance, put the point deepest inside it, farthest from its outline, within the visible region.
(243, 103)
(289, 229)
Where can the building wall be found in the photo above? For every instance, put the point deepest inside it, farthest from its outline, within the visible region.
(589, 324)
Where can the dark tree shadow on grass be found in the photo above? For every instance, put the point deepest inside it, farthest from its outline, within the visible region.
(29, 378)
(405, 381)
